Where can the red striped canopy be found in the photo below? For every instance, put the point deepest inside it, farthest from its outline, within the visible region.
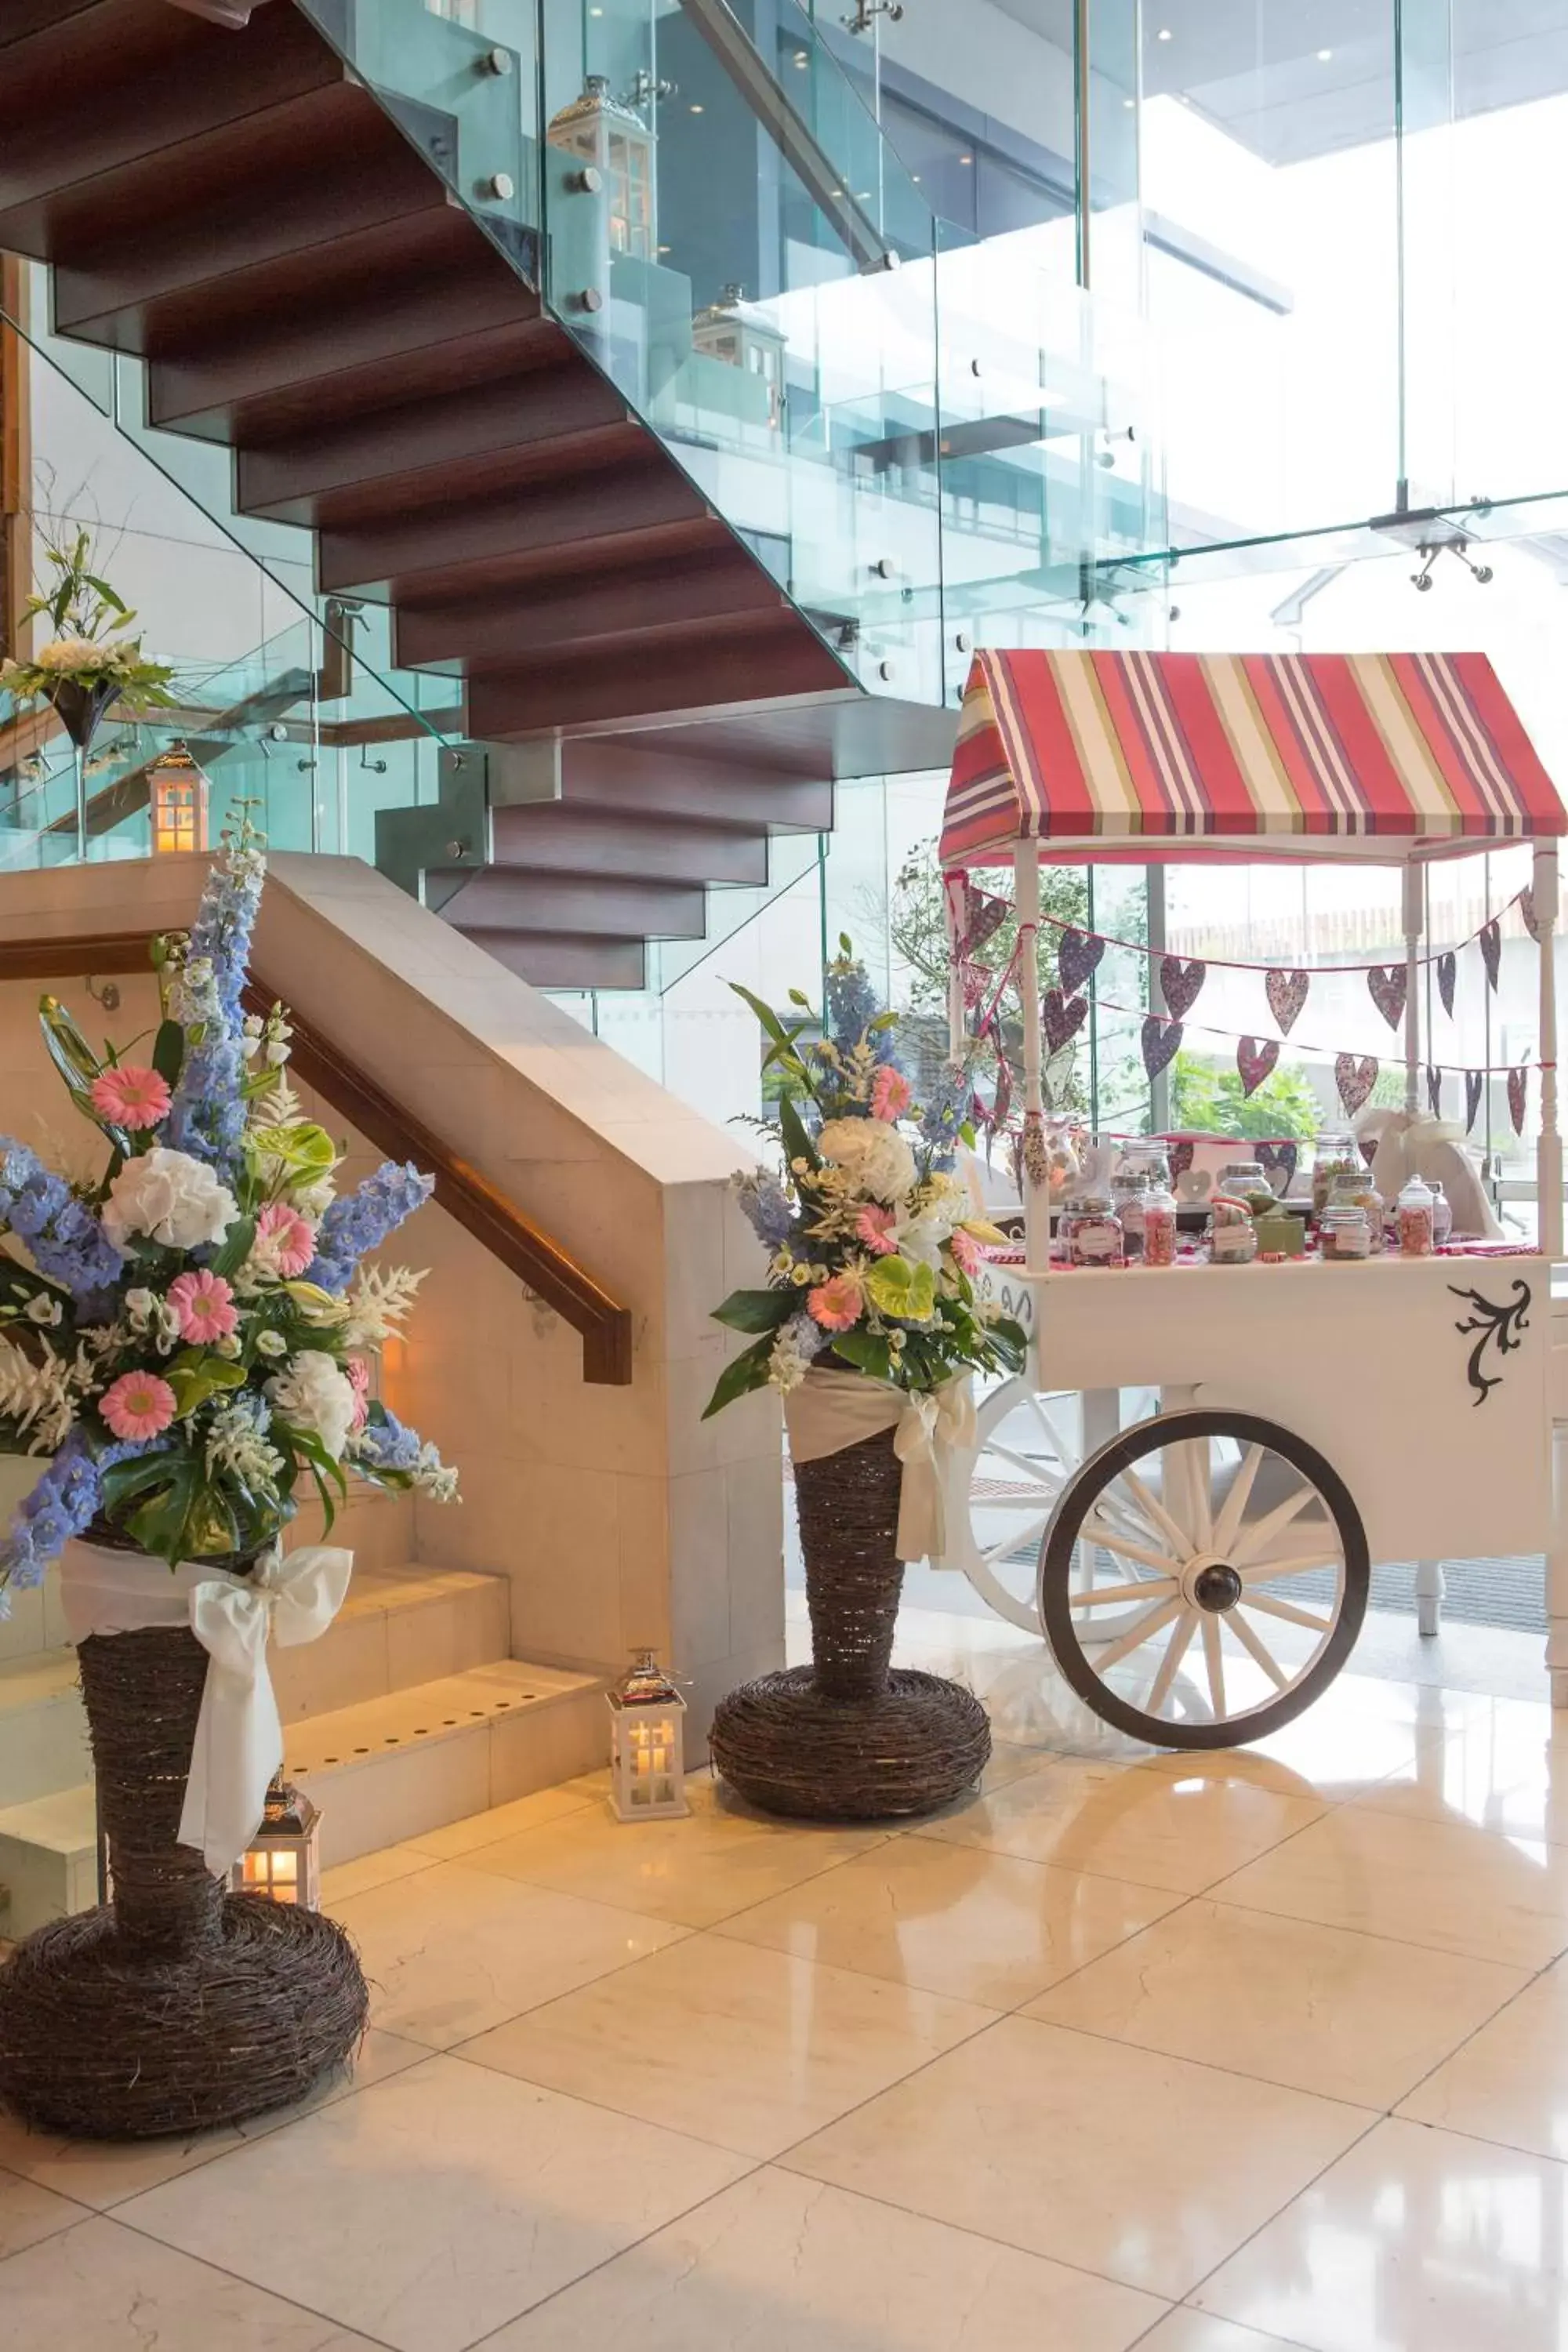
(1336, 751)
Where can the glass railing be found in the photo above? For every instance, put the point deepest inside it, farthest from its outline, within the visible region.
(919, 435)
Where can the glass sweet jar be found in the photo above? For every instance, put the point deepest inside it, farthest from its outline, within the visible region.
(1089, 1230)
(1336, 1159)
(1345, 1232)
(1160, 1227)
(1233, 1236)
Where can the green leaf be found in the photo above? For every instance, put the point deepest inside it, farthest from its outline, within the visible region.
(748, 1371)
(755, 1310)
(867, 1350)
(846, 947)
(169, 1052)
(237, 1245)
(126, 1480)
(115, 604)
(305, 1150)
(795, 997)
(765, 1012)
(799, 1145)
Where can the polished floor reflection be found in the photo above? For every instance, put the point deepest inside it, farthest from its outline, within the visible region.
(1237, 2053)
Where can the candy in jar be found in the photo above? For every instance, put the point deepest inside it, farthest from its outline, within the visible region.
(1344, 1232)
(1233, 1237)
(1417, 1220)
(1442, 1215)
(1130, 1192)
(1336, 1158)
(1160, 1227)
(1091, 1230)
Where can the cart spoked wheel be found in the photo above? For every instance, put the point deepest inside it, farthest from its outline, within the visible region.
(1244, 1571)
(1030, 1447)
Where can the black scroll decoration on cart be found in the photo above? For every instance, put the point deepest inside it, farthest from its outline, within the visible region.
(1498, 1323)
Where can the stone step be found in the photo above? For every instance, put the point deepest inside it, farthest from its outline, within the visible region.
(398, 1628)
(385, 1769)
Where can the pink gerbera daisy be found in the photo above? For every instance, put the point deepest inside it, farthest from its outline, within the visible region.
(874, 1226)
(891, 1093)
(836, 1303)
(129, 1096)
(358, 1372)
(285, 1239)
(139, 1405)
(966, 1250)
(203, 1307)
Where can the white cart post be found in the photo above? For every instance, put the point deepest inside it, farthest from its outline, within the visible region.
(1414, 926)
(1037, 1197)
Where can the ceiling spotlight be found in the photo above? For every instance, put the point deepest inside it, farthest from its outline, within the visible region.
(1164, 34)
(1323, 55)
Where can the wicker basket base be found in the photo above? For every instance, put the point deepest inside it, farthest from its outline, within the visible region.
(100, 2043)
(787, 1749)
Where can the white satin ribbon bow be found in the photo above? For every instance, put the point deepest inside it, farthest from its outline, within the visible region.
(832, 1410)
(239, 1737)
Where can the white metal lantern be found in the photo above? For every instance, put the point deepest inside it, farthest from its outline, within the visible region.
(610, 140)
(283, 1859)
(648, 1770)
(177, 793)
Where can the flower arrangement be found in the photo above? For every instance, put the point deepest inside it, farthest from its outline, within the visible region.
(91, 660)
(190, 1337)
(874, 1247)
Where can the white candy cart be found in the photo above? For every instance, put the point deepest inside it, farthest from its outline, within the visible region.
(1201, 1574)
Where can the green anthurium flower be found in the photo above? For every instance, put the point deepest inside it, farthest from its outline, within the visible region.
(906, 1292)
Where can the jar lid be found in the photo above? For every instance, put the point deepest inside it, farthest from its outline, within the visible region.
(1091, 1204)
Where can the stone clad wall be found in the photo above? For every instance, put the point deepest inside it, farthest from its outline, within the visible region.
(617, 1514)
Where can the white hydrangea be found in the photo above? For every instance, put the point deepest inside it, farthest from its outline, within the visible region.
(872, 1154)
(171, 1198)
(315, 1395)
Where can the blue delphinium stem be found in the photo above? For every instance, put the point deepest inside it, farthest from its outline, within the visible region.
(363, 1219)
(64, 1238)
(62, 1505)
(207, 1115)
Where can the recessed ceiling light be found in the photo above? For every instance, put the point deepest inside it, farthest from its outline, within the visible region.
(1164, 34)
(966, 158)
(802, 60)
(1128, 102)
(1323, 55)
(916, 178)
(862, 195)
(696, 110)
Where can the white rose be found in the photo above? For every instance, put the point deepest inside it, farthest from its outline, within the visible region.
(316, 1396)
(873, 1154)
(171, 1198)
(314, 1199)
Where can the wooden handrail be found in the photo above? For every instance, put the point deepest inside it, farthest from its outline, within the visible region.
(604, 1326)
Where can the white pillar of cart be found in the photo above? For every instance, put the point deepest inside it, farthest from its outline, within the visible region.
(1036, 1197)
(1549, 1226)
(1430, 1581)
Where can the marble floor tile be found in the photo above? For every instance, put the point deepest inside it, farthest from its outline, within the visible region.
(102, 2288)
(453, 1951)
(720, 1859)
(1509, 2082)
(1417, 2239)
(1442, 1883)
(29, 2212)
(456, 1839)
(782, 2265)
(1153, 1828)
(388, 1864)
(955, 1919)
(1140, 2167)
(1505, 1770)
(1332, 1756)
(1320, 2009)
(747, 2048)
(1200, 2331)
(432, 2208)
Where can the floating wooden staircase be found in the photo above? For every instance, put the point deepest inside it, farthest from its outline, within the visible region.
(235, 209)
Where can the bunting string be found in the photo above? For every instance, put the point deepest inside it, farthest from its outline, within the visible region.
(1486, 932)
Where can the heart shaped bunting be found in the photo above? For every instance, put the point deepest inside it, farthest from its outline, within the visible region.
(1527, 911)
(1077, 957)
(1063, 1017)
(975, 978)
(1181, 1159)
(1002, 1101)
(1474, 1081)
(1516, 1086)
(1435, 1091)
(1180, 983)
(1287, 993)
(1255, 1061)
(1356, 1080)
(1278, 1162)
(1492, 949)
(986, 917)
(1447, 965)
(1387, 982)
(1160, 1041)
